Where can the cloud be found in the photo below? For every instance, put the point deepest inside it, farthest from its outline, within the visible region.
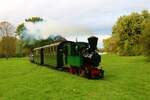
(97, 12)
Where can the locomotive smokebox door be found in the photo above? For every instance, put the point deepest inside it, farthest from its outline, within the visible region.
(93, 43)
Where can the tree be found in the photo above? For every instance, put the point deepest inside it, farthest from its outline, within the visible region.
(1, 53)
(34, 19)
(25, 39)
(20, 29)
(8, 41)
(20, 52)
(6, 29)
(145, 14)
(8, 46)
(130, 35)
(145, 38)
(110, 44)
(126, 34)
(128, 30)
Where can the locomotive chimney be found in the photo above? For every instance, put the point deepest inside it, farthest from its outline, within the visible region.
(93, 43)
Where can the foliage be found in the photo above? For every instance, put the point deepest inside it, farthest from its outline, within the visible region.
(34, 19)
(20, 50)
(8, 46)
(126, 78)
(110, 44)
(20, 29)
(145, 38)
(127, 33)
(128, 29)
(1, 51)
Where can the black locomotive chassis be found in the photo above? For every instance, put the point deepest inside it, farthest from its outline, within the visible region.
(77, 71)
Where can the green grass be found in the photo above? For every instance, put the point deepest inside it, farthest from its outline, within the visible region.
(126, 78)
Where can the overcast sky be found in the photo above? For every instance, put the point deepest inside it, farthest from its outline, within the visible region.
(98, 15)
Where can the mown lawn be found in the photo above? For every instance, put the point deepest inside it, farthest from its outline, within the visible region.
(126, 78)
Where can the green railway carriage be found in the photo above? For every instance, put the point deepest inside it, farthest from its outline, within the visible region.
(50, 54)
(46, 55)
(60, 54)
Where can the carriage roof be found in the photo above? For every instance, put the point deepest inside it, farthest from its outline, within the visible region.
(46, 46)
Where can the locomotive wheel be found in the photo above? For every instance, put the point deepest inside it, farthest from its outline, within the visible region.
(66, 69)
(82, 72)
(96, 73)
(88, 74)
(102, 74)
(73, 70)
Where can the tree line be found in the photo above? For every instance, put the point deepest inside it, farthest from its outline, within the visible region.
(130, 35)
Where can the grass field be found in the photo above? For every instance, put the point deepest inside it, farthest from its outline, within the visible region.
(126, 78)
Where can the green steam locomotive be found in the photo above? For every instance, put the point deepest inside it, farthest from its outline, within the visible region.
(79, 58)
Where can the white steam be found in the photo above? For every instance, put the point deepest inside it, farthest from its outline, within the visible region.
(44, 29)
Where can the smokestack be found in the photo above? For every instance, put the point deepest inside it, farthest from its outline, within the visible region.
(93, 43)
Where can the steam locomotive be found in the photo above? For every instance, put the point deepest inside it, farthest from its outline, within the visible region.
(79, 58)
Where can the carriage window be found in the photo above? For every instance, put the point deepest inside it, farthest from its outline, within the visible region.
(51, 50)
(54, 49)
(47, 51)
(36, 52)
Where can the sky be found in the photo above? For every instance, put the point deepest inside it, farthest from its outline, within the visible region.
(97, 16)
